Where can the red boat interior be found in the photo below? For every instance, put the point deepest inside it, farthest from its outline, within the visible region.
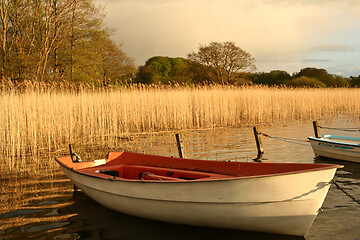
(143, 167)
(152, 173)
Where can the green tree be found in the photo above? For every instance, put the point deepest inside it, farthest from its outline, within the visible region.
(224, 60)
(354, 81)
(275, 77)
(321, 74)
(155, 69)
(341, 81)
(164, 70)
(304, 81)
(145, 74)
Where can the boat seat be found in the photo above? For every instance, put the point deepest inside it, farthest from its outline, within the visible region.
(138, 172)
(151, 176)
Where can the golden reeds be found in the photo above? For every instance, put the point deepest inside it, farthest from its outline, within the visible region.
(34, 124)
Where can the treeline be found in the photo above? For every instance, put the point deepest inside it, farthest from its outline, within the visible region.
(167, 70)
(58, 40)
(54, 42)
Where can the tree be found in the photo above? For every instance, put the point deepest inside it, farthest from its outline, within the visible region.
(145, 74)
(155, 70)
(165, 70)
(5, 24)
(354, 81)
(223, 59)
(115, 65)
(51, 40)
(304, 81)
(274, 77)
(321, 74)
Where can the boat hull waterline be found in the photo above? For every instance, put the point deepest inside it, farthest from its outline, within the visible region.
(337, 147)
(271, 199)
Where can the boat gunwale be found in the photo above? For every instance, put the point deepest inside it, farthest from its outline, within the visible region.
(231, 178)
(333, 142)
(342, 137)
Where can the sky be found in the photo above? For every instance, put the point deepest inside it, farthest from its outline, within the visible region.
(280, 34)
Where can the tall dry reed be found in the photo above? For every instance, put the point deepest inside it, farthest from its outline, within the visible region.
(34, 123)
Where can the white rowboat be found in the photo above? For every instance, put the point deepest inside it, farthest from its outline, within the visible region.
(282, 198)
(337, 147)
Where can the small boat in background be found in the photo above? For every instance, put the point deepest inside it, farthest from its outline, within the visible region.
(337, 147)
(282, 198)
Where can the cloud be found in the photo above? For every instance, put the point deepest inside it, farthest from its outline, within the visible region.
(332, 48)
(270, 30)
(315, 2)
(312, 60)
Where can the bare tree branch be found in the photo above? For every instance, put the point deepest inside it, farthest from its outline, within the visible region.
(224, 60)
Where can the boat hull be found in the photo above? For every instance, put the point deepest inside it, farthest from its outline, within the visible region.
(327, 147)
(284, 204)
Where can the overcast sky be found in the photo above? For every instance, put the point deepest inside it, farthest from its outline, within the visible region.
(281, 34)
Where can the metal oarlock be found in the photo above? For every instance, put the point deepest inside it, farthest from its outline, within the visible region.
(73, 154)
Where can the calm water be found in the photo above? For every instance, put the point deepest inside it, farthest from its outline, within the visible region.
(340, 218)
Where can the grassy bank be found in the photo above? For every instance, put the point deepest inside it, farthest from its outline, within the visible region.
(37, 125)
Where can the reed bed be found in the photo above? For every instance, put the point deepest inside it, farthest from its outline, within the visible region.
(34, 125)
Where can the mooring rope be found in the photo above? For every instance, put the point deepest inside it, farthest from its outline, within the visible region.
(289, 140)
(344, 191)
(341, 129)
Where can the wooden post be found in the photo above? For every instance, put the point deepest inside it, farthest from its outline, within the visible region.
(71, 153)
(316, 129)
(258, 145)
(180, 148)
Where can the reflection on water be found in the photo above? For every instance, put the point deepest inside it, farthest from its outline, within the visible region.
(82, 218)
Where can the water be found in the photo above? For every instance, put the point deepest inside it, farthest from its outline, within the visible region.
(81, 218)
